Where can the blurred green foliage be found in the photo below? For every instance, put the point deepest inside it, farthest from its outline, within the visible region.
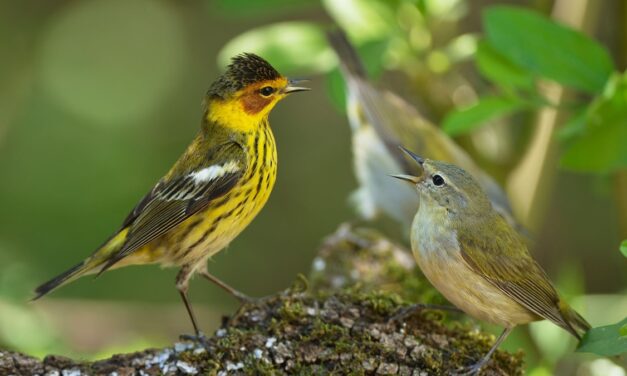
(597, 142)
(296, 47)
(98, 98)
(487, 108)
(15, 283)
(550, 50)
(502, 72)
(596, 136)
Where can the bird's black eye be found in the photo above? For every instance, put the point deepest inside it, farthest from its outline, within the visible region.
(437, 180)
(266, 91)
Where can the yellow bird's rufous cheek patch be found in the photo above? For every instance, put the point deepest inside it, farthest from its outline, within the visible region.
(253, 103)
(255, 99)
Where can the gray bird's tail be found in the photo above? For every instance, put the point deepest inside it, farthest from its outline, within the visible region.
(575, 323)
(350, 62)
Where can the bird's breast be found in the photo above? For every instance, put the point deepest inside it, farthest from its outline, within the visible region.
(438, 255)
(212, 229)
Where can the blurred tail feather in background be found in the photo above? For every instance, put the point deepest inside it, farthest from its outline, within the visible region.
(380, 121)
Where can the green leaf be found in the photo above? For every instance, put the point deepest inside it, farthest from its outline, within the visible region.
(546, 48)
(502, 71)
(575, 125)
(600, 146)
(465, 120)
(292, 47)
(600, 149)
(623, 248)
(606, 340)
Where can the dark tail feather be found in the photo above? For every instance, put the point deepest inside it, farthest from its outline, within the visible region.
(577, 325)
(579, 322)
(58, 280)
(349, 59)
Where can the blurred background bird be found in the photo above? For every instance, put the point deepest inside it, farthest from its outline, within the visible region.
(476, 259)
(211, 193)
(380, 121)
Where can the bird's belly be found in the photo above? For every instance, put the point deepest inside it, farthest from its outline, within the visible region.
(470, 292)
(373, 166)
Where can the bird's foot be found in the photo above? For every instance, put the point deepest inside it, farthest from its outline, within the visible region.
(244, 299)
(472, 370)
(410, 310)
(251, 300)
(199, 337)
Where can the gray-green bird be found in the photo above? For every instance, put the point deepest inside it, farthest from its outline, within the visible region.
(381, 120)
(474, 257)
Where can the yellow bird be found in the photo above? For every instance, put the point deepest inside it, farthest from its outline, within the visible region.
(212, 192)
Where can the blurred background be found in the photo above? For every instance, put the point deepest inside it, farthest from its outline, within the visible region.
(98, 98)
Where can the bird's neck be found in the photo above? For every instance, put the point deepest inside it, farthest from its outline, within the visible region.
(230, 113)
(435, 225)
(433, 233)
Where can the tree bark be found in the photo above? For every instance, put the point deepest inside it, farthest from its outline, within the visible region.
(337, 324)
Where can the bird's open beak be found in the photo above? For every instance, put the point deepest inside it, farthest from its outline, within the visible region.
(292, 86)
(413, 156)
(408, 178)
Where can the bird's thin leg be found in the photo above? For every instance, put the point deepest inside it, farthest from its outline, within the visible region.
(182, 284)
(406, 311)
(243, 298)
(475, 368)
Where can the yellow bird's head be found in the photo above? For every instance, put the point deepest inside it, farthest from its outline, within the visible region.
(246, 93)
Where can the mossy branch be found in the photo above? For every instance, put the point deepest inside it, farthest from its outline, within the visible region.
(337, 324)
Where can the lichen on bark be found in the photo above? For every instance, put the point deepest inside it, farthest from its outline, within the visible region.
(316, 328)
